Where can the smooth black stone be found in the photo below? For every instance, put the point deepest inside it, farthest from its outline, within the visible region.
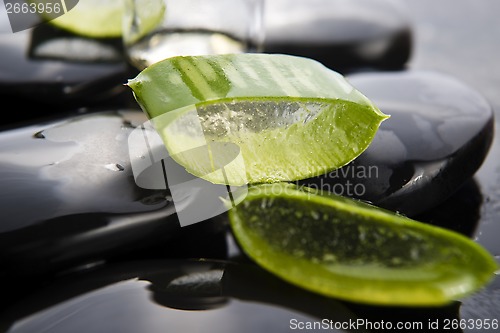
(461, 212)
(438, 135)
(45, 67)
(69, 195)
(176, 295)
(340, 34)
(48, 42)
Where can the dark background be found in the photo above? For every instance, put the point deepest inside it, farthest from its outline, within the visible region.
(460, 38)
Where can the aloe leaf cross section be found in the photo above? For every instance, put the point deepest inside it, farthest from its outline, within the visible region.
(290, 117)
(351, 250)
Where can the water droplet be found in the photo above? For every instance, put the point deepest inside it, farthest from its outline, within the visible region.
(39, 135)
(67, 90)
(329, 257)
(263, 204)
(414, 253)
(114, 167)
(362, 235)
(299, 253)
(396, 261)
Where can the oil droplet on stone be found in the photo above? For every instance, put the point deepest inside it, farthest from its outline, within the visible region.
(67, 90)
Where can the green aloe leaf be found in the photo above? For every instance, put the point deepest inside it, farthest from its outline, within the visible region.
(354, 251)
(291, 117)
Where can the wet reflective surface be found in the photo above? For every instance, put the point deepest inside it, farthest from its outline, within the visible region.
(453, 46)
(58, 70)
(69, 194)
(439, 134)
(127, 291)
(217, 296)
(341, 34)
(64, 162)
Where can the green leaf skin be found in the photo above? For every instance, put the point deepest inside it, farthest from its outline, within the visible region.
(354, 251)
(291, 117)
(187, 80)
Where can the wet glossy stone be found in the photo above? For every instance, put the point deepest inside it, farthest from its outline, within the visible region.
(438, 135)
(43, 68)
(340, 34)
(184, 296)
(69, 195)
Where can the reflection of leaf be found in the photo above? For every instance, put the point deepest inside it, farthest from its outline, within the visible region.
(140, 18)
(48, 42)
(90, 18)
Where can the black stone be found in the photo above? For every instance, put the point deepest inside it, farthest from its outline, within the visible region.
(45, 70)
(183, 295)
(340, 34)
(438, 135)
(175, 293)
(69, 195)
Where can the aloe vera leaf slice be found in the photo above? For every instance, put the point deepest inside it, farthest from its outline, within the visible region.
(188, 80)
(354, 251)
(291, 116)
